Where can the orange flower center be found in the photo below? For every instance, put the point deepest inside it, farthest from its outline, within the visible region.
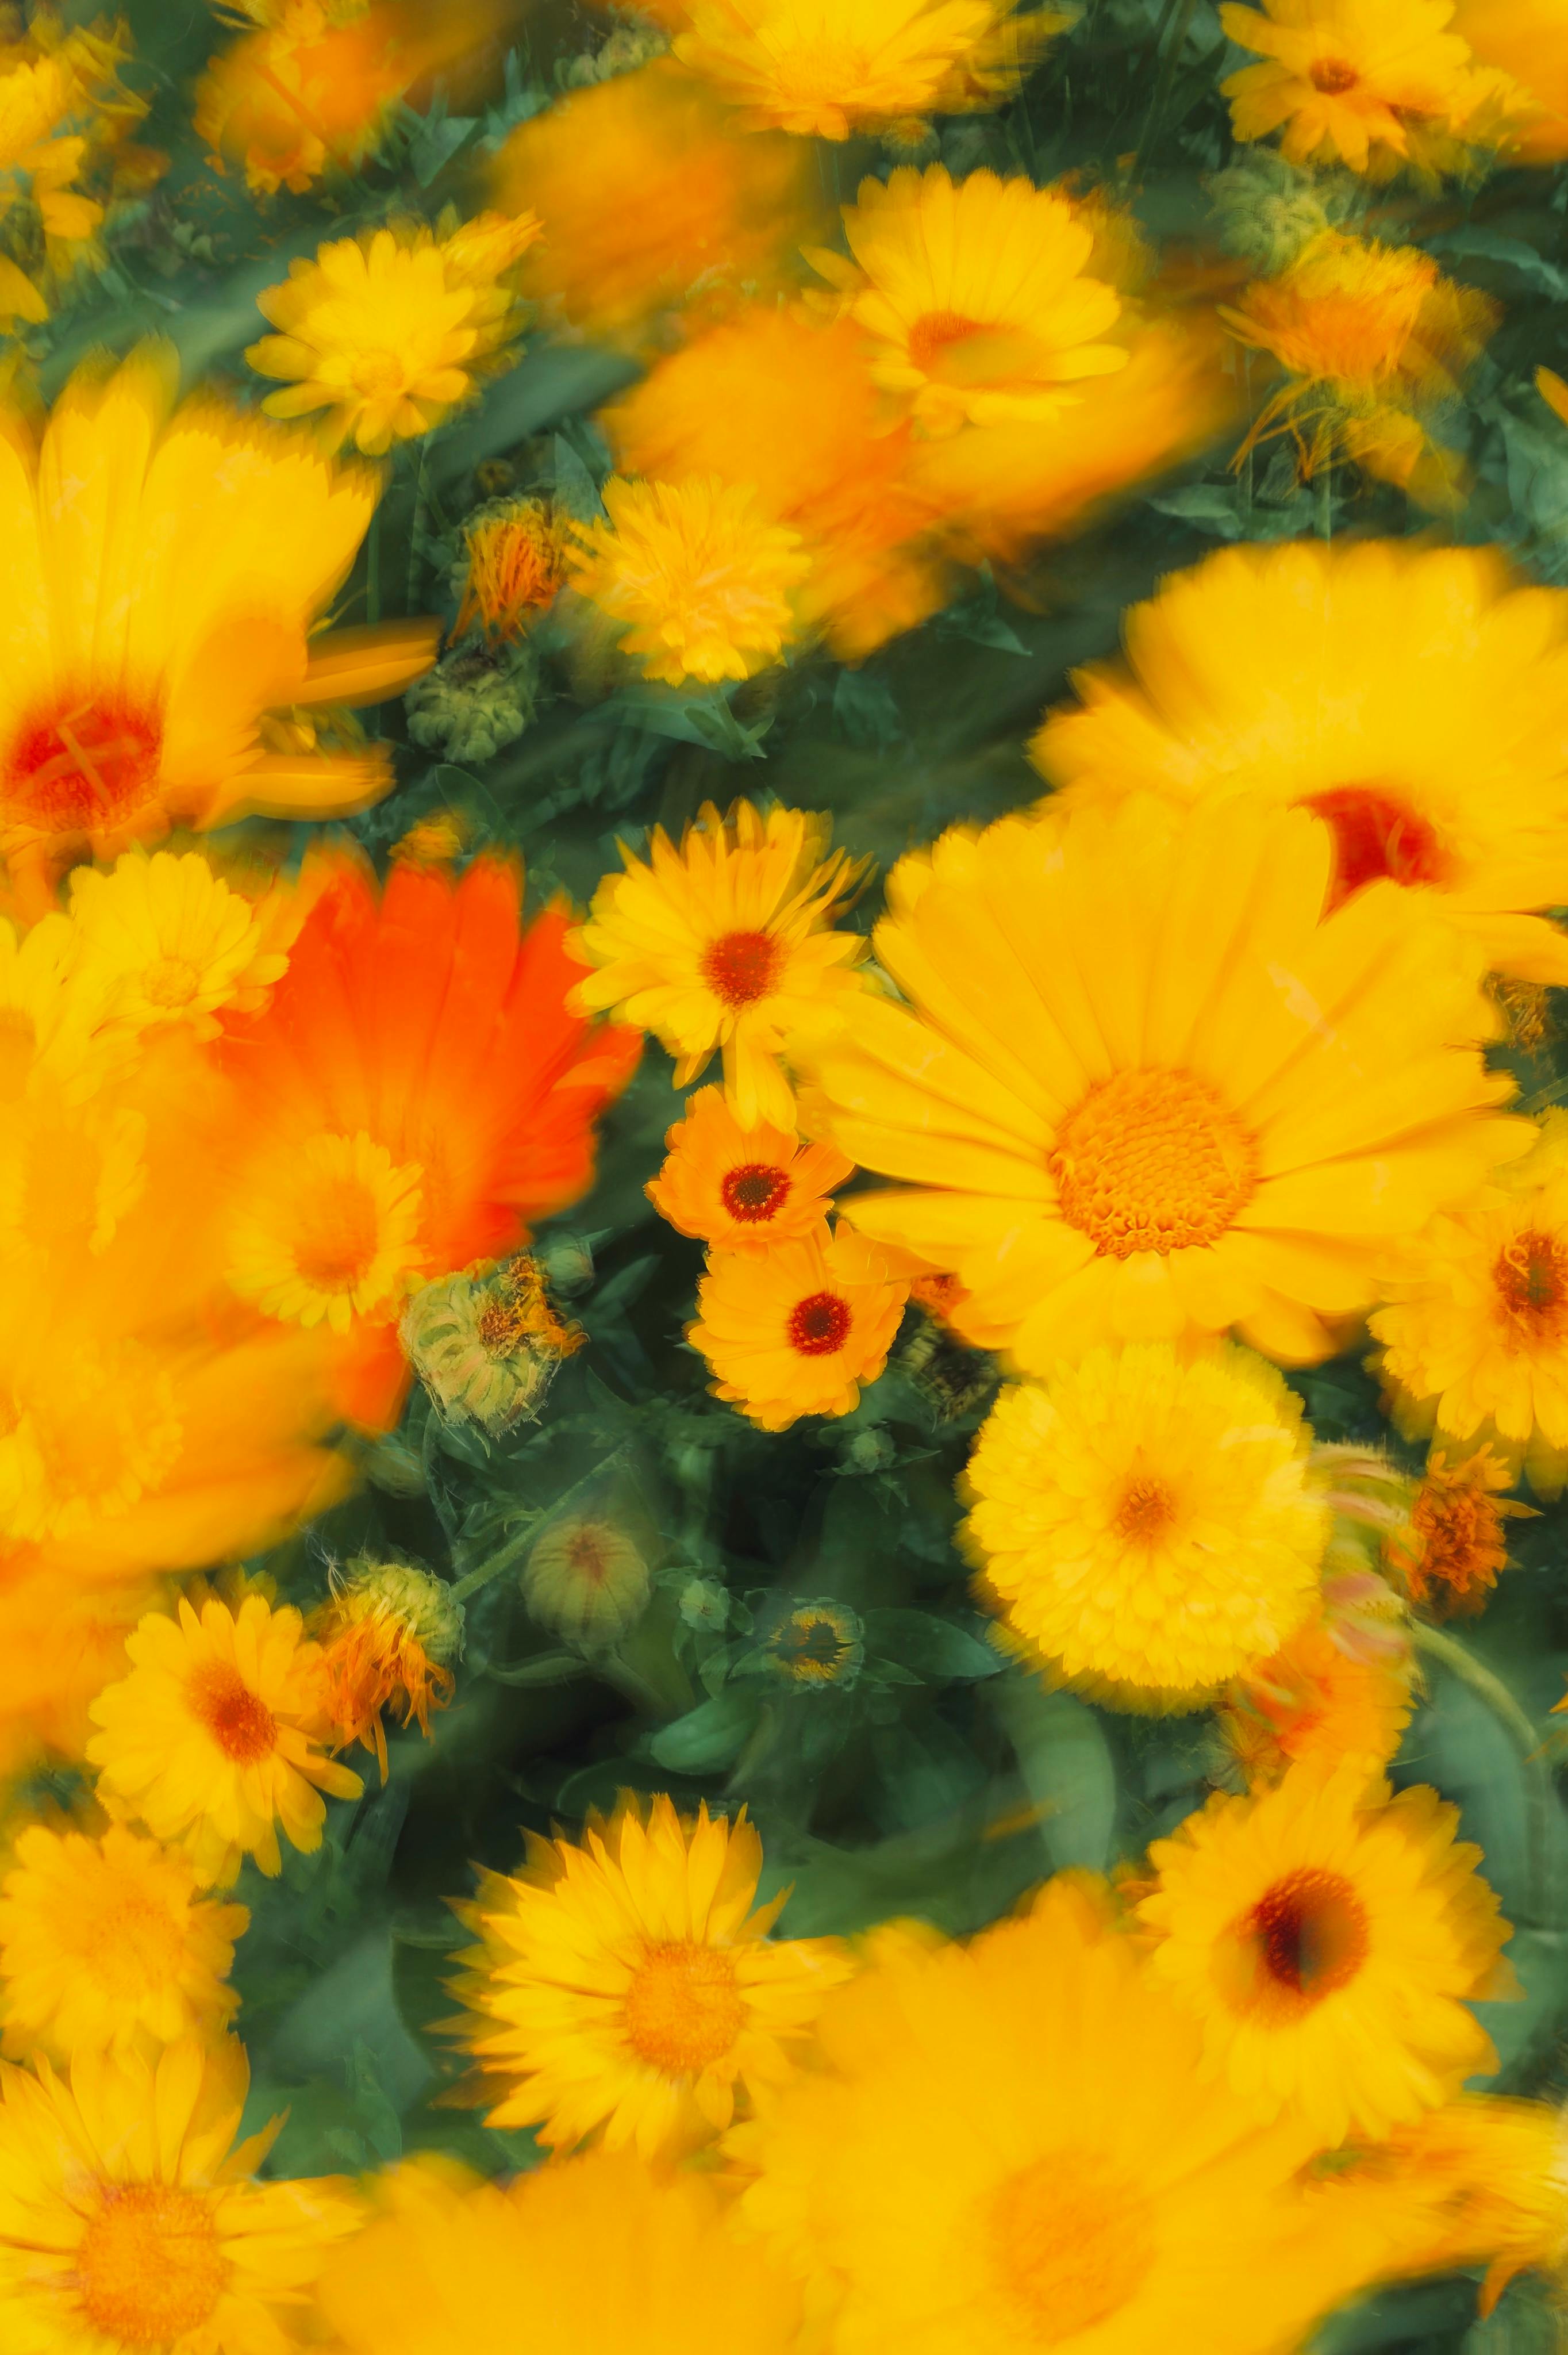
(1375, 836)
(243, 1727)
(1460, 1532)
(87, 767)
(1152, 1161)
(149, 2267)
(819, 1325)
(936, 331)
(1070, 2242)
(1306, 1937)
(683, 2010)
(172, 981)
(741, 967)
(1334, 76)
(378, 375)
(754, 1193)
(338, 1235)
(133, 1945)
(1530, 1277)
(1146, 1512)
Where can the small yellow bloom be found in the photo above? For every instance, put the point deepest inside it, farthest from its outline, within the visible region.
(165, 940)
(208, 1740)
(798, 1330)
(389, 1635)
(328, 1232)
(626, 1987)
(388, 332)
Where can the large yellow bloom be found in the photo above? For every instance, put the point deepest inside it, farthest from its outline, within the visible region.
(129, 2225)
(105, 1941)
(1141, 1088)
(626, 1987)
(1365, 83)
(1145, 1520)
(209, 1739)
(1329, 1936)
(1416, 699)
(693, 574)
(1012, 2146)
(726, 942)
(597, 2256)
(166, 570)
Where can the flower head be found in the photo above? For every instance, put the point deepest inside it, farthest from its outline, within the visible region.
(516, 564)
(743, 1189)
(105, 1941)
(812, 1647)
(486, 1344)
(167, 940)
(694, 575)
(800, 1330)
(725, 941)
(1313, 1699)
(1329, 1936)
(328, 1231)
(386, 332)
(626, 1987)
(1456, 1541)
(208, 1740)
(586, 1579)
(389, 1638)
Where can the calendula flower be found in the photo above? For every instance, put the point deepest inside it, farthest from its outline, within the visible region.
(1456, 1541)
(1435, 760)
(207, 1742)
(1142, 1086)
(1526, 41)
(979, 297)
(586, 1579)
(450, 2264)
(516, 563)
(1330, 1934)
(104, 1941)
(726, 942)
(692, 575)
(626, 1987)
(130, 2220)
(1313, 1699)
(328, 1231)
(812, 1647)
(487, 1345)
(169, 567)
(743, 1189)
(389, 1638)
(1086, 2158)
(386, 332)
(1146, 1522)
(167, 940)
(1365, 83)
(801, 1328)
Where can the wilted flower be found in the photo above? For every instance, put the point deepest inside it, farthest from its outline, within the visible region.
(1451, 1550)
(388, 1636)
(1269, 211)
(585, 1578)
(516, 563)
(486, 1344)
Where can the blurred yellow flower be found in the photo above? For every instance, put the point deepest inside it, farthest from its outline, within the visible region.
(1313, 1699)
(693, 576)
(327, 1229)
(1527, 42)
(798, 1329)
(165, 939)
(1457, 1539)
(585, 1578)
(517, 563)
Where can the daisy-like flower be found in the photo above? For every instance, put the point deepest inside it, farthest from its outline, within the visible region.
(449, 2265)
(1085, 2161)
(1329, 1936)
(1435, 761)
(694, 575)
(131, 2223)
(517, 564)
(1146, 1522)
(1313, 1699)
(1457, 1539)
(386, 332)
(310, 89)
(327, 1230)
(486, 1344)
(1143, 1087)
(208, 1739)
(167, 940)
(1364, 82)
(979, 297)
(389, 1638)
(626, 1987)
(1473, 1326)
(726, 942)
(104, 1941)
(743, 1189)
(586, 1579)
(797, 1330)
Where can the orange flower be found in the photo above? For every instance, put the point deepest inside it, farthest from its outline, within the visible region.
(1454, 1547)
(797, 1330)
(515, 565)
(388, 1635)
(742, 1189)
(415, 1091)
(1314, 1700)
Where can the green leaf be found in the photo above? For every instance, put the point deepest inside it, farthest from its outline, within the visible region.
(936, 1646)
(709, 1735)
(1065, 1763)
(576, 489)
(1489, 245)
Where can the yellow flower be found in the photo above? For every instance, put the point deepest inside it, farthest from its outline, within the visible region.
(585, 1578)
(209, 1740)
(1475, 1328)
(595, 2256)
(168, 572)
(128, 2225)
(1455, 1543)
(1146, 1522)
(105, 1941)
(517, 563)
(977, 297)
(626, 1987)
(693, 574)
(1143, 1089)
(165, 940)
(830, 67)
(742, 1189)
(1315, 1699)
(797, 1330)
(1012, 2146)
(1329, 1936)
(1526, 42)
(388, 331)
(724, 942)
(389, 1635)
(1365, 83)
(1413, 697)
(329, 1230)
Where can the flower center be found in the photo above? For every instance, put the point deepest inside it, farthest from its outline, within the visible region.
(1070, 2240)
(1305, 1938)
(1334, 76)
(243, 1727)
(1376, 837)
(1152, 1161)
(741, 967)
(684, 2011)
(811, 1648)
(133, 1946)
(172, 981)
(754, 1193)
(149, 2267)
(336, 1238)
(819, 1325)
(88, 767)
(936, 331)
(1530, 1276)
(587, 1555)
(1146, 1512)
(378, 375)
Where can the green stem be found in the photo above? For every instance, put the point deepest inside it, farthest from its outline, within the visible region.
(1183, 11)
(1490, 1689)
(516, 1547)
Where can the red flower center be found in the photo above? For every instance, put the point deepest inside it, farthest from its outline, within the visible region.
(935, 331)
(1310, 1933)
(1334, 76)
(741, 967)
(86, 767)
(242, 1725)
(819, 1325)
(755, 1191)
(1376, 837)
